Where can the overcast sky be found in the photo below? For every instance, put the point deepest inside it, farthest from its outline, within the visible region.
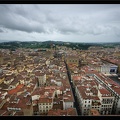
(60, 22)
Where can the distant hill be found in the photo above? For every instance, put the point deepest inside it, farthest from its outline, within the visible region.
(47, 44)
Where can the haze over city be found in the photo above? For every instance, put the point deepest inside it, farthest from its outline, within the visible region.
(64, 22)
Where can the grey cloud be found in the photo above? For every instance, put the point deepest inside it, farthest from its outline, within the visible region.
(82, 27)
(116, 31)
(66, 20)
(22, 24)
(14, 21)
(1, 31)
(33, 18)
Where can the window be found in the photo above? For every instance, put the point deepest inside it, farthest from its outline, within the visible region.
(9, 108)
(109, 112)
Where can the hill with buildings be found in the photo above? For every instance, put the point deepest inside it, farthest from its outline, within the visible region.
(48, 44)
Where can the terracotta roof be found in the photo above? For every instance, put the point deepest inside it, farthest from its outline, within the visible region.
(71, 112)
(68, 97)
(5, 106)
(13, 91)
(77, 77)
(20, 113)
(39, 74)
(82, 90)
(59, 112)
(14, 82)
(8, 113)
(57, 103)
(9, 77)
(23, 103)
(45, 100)
(2, 112)
(115, 86)
(104, 91)
(94, 112)
(19, 77)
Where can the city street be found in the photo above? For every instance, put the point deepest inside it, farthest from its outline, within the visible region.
(76, 104)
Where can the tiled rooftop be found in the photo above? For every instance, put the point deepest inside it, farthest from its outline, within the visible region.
(13, 91)
(59, 112)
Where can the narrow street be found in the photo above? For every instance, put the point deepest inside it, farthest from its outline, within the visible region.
(76, 104)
